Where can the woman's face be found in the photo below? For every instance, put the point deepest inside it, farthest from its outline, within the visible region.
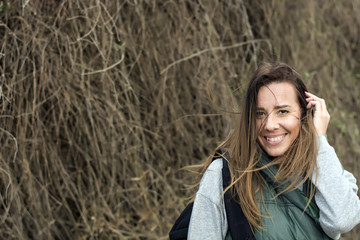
(277, 117)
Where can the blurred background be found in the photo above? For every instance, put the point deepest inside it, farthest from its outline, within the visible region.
(103, 102)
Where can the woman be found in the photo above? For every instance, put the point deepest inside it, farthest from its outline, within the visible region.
(285, 176)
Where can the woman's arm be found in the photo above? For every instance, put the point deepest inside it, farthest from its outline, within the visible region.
(336, 189)
(208, 218)
(336, 193)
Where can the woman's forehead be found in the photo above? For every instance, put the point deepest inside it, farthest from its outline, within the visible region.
(277, 94)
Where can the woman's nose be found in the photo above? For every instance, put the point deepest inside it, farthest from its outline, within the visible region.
(271, 123)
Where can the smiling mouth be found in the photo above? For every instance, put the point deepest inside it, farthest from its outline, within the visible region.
(277, 139)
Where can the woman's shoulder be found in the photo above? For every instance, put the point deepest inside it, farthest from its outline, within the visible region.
(211, 183)
(215, 165)
(214, 171)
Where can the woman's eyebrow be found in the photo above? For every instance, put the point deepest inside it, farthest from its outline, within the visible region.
(282, 106)
(276, 107)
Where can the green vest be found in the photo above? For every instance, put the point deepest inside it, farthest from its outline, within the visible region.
(288, 219)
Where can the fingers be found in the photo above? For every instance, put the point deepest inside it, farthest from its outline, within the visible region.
(314, 101)
(321, 115)
(311, 97)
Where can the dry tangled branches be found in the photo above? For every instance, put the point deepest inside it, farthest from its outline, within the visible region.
(102, 102)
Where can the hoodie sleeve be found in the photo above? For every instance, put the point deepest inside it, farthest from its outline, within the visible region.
(336, 194)
(208, 217)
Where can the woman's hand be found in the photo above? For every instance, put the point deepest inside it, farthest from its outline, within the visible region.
(321, 115)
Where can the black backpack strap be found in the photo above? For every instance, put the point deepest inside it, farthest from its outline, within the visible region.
(181, 226)
(238, 224)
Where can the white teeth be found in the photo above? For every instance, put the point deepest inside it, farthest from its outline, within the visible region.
(276, 139)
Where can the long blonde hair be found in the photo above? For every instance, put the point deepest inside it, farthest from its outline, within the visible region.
(294, 167)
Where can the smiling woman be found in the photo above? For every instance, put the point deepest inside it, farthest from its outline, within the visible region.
(282, 169)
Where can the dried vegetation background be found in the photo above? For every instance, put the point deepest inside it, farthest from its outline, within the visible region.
(102, 102)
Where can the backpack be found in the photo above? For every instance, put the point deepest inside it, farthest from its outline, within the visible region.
(239, 227)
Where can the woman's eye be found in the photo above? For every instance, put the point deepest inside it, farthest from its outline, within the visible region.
(260, 114)
(283, 112)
